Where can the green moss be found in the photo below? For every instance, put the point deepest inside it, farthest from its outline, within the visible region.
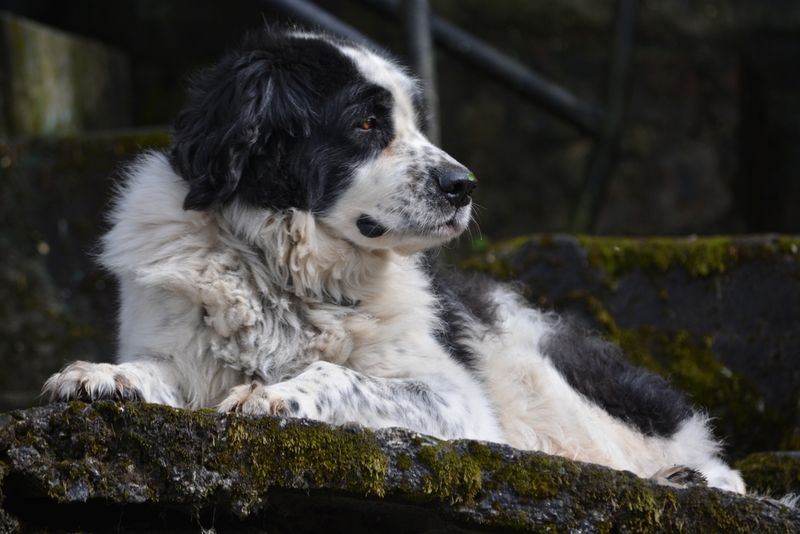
(404, 462)
(791, 441)
(461, 475)
(232, 463)
(771, 473)
(480, 244)
(262, 451)
(458, 475)
(788, 245)
(484, 456)
(282, 454)
(537, 476)
(617, 256)
(453, 477)
(701, 257)
(279, 452)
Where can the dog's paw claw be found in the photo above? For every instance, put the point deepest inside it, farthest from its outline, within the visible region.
(679, 476)
(257, 400)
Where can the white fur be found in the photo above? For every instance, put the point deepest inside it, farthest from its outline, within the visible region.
(298, 314)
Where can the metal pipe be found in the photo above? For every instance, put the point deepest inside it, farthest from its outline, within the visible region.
(420, 48)
(596, 189)
(584, 115)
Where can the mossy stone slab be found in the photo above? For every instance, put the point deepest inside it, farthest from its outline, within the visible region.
(146, 468)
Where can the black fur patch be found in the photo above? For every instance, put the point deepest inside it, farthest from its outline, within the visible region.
(277, 124)
(464, 301)
(596, 369)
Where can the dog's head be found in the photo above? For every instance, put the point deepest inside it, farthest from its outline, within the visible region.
(305, 122)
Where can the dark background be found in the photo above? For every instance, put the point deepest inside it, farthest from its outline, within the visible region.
(711, 144)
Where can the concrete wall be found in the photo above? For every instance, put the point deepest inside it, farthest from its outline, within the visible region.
(57, 83)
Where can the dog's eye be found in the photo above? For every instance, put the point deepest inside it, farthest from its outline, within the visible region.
(367, 124)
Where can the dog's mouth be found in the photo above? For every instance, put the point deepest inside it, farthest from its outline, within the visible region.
(369, 227)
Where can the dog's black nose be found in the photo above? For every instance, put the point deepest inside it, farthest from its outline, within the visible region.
(457, 184)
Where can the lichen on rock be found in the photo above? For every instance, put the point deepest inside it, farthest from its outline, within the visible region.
(170, 470)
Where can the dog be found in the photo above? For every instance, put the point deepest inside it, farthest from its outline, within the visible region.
(273, 262)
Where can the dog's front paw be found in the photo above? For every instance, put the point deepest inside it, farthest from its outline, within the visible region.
(90, 382)
(259, 400)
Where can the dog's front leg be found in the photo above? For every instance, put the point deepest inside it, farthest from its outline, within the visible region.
(436, 405)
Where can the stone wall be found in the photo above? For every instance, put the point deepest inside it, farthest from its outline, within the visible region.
(52, 82)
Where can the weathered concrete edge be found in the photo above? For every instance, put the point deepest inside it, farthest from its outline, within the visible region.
(139, 453)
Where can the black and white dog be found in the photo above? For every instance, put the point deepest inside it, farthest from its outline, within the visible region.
(272, 263)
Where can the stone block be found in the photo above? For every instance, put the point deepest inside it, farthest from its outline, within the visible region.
(57, 83)
(772, 472)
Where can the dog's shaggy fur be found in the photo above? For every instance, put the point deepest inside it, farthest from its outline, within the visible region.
(272, 263)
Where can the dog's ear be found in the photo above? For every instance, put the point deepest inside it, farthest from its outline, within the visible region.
(250, 105)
